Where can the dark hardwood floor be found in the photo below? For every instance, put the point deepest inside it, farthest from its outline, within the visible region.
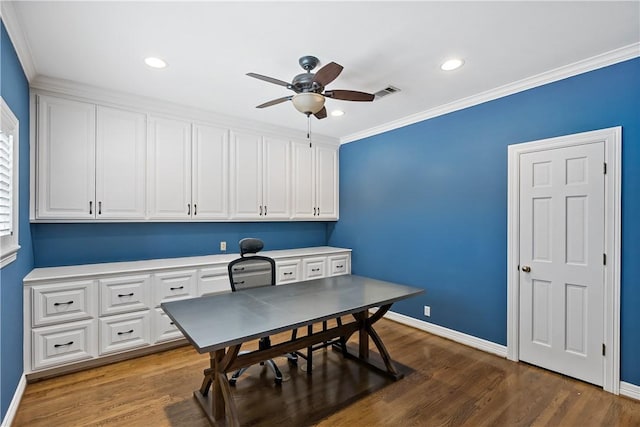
(446, 384)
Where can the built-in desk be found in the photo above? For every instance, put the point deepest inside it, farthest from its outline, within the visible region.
(86, 315)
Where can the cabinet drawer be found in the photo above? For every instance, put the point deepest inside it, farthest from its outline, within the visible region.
(57, 345)
(174, 285)
(163, 327)
(125, 294)
(287, 271)
(339, 264)
(63, 302)
(213, 280)
(314, 268)
(124, 331)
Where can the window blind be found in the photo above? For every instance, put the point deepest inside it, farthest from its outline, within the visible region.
(6, 184)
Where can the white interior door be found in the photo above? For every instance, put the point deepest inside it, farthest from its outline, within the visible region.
(562, 246)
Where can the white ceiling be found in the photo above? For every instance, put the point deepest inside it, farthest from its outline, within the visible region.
(210, 46)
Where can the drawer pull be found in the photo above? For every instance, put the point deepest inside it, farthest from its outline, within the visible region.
(130, 331)
(177, 288)
(238, 269)
(340, 266)
(63, 303)
(171, 323)
(315, 269)
(126, 295)
(289, 273)
(63, 345)
(239, 283)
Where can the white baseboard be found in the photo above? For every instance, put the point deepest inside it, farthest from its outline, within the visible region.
(468, 340)
(15, 402)
(630, 390)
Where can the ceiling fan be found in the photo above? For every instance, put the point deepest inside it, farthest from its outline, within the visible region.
(308, 87)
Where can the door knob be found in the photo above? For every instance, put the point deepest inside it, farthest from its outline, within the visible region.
(526, 268)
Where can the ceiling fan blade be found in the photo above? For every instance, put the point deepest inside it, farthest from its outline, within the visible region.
(270, 80)
(327, 74)
(321, 114)
(275, 101)
(349, 95)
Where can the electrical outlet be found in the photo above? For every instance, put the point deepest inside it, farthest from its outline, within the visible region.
(223, 246)
(427, 311)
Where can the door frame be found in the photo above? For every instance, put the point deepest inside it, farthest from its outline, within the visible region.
(612, 138)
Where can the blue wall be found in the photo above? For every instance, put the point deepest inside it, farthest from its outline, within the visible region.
(14, 89)
(68, 244)
(426, 204)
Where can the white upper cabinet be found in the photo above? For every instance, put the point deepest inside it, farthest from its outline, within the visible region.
(95, 161)
(210, 172)
(120, 164)
(246, 175)
(260, 171)
(326, 175)
(66, 159)
(91, 161)
(276, 188)
(169, 176)
(315, 181)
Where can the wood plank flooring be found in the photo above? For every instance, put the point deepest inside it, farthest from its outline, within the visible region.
(446, 384)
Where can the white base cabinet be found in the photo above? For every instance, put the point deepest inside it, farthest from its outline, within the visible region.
(79, 314)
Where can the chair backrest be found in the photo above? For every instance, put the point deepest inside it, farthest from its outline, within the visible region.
(251, 271)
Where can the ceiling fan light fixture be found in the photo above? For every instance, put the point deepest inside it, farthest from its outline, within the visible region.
(308, 102)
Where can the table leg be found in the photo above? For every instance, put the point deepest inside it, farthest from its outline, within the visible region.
(363, 338)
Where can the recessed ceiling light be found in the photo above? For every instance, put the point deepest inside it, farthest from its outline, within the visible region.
(452, 64)
(155, 62)
(337, 113)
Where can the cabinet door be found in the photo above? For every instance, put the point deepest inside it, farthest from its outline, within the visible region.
(327, 181)
(66, 159)
(169, 177)
(246, 176)
(303, 180)
(210, 182)
(120, 164)
(276, 160)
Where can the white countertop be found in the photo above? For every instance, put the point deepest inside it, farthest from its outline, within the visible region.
(74, 271)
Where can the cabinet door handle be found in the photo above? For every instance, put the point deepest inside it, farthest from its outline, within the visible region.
(238, 269)
(90, 207)
(195, 209)
(63, 345)
(100, 208)
(265, 210)
(126, 295)
(171, 323)
(188, 208)
(175, 289)
(239, 283)
(130, 331)
(288, 274)
(260, 210)
(63, 303)
(314, 211)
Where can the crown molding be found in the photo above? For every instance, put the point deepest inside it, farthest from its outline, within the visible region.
(599, 61)
(18, 38)
(107, 97)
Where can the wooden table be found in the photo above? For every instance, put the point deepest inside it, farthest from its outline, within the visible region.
(220, 324)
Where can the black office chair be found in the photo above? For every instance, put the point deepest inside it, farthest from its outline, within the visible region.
(249, 272)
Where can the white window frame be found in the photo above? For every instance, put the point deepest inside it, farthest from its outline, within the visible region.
(9, 244)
